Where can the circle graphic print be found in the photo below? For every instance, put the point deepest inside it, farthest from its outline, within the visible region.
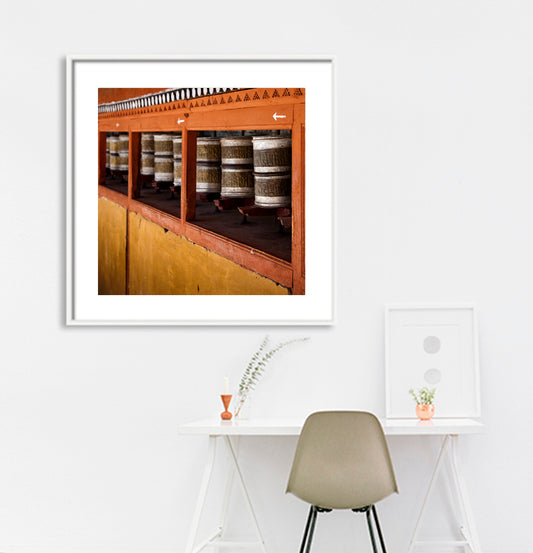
(432, 344)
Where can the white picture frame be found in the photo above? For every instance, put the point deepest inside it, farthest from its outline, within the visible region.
(84, 306)
(435, 346)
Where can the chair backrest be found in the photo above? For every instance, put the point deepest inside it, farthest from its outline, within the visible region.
(342, 461)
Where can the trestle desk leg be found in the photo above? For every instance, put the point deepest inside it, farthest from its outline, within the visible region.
(227, 494)
(428, 493)
(200, 502)
(469, 532)
(245, 491)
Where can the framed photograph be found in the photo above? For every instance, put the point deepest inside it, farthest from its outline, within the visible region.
(191, 204)
(433, 346)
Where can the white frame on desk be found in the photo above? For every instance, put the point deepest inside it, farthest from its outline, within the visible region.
(406, 363)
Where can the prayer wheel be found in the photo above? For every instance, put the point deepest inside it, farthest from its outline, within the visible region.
(272, 190)
(177, 172)
(237, 182)
(107, 152)
(113, 145)
(272, 154)
(163, 168)
(163, 145)
(208, 150)
(113, 162)
(123, 162)
(147, 142)
(237, 150)
(123, 143)
(147, 163)
(207, 177)
(176, 144)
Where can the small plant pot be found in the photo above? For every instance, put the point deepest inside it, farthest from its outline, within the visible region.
(425, 412)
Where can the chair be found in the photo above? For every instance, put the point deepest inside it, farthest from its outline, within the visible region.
(342, 462)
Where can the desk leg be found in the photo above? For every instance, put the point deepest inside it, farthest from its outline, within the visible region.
(466, 519)
(470, 532)
(245, 491)
(202, 494)
(227, 493)
(442, 451)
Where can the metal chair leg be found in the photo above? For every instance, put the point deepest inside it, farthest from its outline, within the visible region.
(306, 531)
(380, 534)
(311, 529)
(370, 531)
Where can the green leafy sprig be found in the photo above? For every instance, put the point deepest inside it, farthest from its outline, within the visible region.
(256, 367)
(423, 396)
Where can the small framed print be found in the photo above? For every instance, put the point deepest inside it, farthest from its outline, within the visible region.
(433, 346)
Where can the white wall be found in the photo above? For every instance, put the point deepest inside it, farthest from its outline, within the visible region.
(433, 203)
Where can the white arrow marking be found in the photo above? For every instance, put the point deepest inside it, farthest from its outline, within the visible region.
(276, 116)
(180, 120)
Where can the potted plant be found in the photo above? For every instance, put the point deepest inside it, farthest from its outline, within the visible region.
(424, 402)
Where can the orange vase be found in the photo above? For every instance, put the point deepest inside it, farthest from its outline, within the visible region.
(425, 412)
(226, 399)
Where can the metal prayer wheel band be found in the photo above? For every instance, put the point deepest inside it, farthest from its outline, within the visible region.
(208, 150)
(237, 182)
(207, 177)
(237, 150)
(163, 169)
(272, 154)
(177, 172)
(272, 190)
(113, 145)
(163, 144)
(147, 142)
(176, 144)
(147, 163)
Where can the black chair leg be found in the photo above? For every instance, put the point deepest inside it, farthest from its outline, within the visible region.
(306, 531)
(376, 521)
(314, 512)
(370, 531)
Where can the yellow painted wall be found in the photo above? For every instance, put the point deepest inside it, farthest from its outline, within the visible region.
(163, 263)
(111, 248)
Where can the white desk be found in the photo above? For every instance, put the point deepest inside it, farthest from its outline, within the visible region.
(231, 431)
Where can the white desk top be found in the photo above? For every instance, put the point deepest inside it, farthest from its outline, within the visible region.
(292, 427)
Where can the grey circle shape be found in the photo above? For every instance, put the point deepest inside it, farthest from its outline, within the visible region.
(431, 344)
(432, 376)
